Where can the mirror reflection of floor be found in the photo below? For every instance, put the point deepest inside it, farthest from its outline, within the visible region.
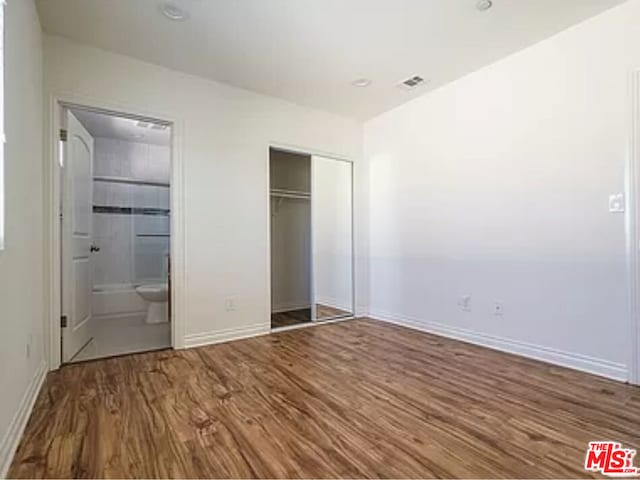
(296, 317)
(325, 312)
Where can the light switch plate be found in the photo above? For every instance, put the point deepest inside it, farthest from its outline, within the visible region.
(616, 203)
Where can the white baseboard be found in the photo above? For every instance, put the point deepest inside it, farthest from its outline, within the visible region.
(576, 361)
(226, 335)
(13, 435)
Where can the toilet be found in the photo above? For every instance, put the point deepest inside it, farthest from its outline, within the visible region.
(157, 295)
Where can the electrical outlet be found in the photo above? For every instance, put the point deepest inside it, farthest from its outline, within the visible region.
(498, 308)
(230, 304)
(616, 203)
(465, 303)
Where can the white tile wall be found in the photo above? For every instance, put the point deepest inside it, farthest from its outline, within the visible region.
(118, 158)
(124, 257)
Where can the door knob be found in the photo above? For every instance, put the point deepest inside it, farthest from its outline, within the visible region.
(94, 248)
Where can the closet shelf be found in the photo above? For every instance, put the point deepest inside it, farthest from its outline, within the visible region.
(130, 181)
(281, 193)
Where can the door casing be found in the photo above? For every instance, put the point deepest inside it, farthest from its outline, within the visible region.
(52, 208)
(632, 224)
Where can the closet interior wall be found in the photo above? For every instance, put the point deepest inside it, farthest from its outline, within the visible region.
(291, 254)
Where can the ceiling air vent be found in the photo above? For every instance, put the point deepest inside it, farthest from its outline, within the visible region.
(149, 125)
(412, 82)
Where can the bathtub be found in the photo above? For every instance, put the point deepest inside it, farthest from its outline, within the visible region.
(117, 300)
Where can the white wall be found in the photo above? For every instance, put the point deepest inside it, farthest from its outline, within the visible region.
(497, 186)
(226, 134)
(290, 254)
(21, 271)
(332, 261)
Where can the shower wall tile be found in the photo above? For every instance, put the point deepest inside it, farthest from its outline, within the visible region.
(151, 224)
(113, 263)
(150, 196)
(124, 256)
(117, 158)
(153, 164)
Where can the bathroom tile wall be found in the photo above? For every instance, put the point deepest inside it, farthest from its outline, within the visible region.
(119, 158)
(133, 238)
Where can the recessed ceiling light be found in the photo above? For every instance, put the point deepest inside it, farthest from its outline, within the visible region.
(483, 5)
(173, 12)
(361, 82)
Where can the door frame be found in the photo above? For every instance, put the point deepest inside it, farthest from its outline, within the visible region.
(632, 230)
(52, 205)
(311, 153)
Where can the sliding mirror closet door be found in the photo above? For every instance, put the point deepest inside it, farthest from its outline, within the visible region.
(332, 238)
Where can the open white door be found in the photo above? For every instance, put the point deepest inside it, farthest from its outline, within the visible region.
(77, 212)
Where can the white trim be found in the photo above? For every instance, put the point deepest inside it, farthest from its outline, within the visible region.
(312, 244)
(597, 366)
(226, 335)
(3, 125)
(632, 226)
(310, 152)
(52, 224)
(9, 443)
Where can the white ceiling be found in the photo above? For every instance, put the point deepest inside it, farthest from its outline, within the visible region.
(309, 51)
(102, 125)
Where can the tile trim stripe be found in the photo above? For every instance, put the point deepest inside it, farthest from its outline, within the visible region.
(131, 210)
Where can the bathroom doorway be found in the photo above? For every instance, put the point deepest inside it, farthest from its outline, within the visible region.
(115, 234)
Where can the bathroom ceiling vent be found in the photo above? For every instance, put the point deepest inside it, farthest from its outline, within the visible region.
(150, 126)
(412, 82)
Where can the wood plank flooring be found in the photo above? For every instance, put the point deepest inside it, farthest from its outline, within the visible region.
(303, 315)
(325, 312)
(291, 317)
(350, 399)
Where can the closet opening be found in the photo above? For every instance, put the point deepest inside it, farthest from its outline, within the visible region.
(311, 236)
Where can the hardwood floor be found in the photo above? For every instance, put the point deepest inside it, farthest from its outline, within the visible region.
(351, 399)
(296, 317)
(325, 312)
(292, 317)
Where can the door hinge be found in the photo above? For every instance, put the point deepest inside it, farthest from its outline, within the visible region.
(63, 321)
(63, 135)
